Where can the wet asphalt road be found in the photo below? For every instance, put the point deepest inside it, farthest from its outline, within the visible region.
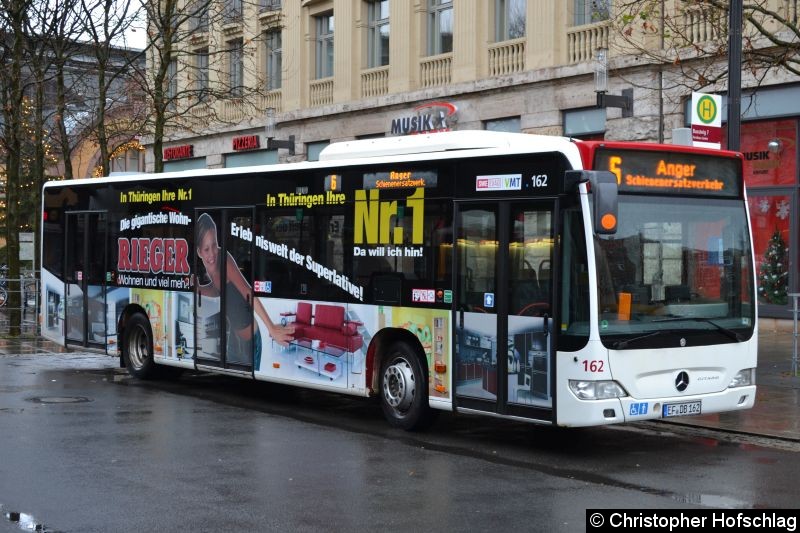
(83, 448)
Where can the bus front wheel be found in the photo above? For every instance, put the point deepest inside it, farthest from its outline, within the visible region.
(404, 391)
(137, 347)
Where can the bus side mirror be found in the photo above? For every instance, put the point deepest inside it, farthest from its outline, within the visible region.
(603, 186)
(605, 204)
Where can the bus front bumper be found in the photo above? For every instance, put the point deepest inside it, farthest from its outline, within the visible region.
(573, 412)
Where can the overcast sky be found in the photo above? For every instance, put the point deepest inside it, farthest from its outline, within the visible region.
(136, 37)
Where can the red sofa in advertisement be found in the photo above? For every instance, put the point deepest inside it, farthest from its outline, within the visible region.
(327, 324)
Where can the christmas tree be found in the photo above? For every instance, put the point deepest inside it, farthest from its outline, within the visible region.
(773, 277)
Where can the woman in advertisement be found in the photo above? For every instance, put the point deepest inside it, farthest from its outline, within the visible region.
(243, 332)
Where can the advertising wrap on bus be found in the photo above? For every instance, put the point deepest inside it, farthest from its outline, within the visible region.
(460, 271)
(158, 260)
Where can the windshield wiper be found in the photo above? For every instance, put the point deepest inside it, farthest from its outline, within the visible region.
(725, 331)
(618, 345)
(623, 344)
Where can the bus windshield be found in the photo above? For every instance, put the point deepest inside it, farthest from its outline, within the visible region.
(675, 265)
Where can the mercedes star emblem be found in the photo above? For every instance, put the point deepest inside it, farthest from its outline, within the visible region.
(682, 381)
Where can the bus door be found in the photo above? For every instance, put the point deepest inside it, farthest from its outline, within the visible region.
(85, 279)
(224, 328)
(504, 264)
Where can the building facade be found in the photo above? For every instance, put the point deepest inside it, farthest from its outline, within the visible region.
(332, 70)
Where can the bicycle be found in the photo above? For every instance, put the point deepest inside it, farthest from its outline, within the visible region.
(27, 287)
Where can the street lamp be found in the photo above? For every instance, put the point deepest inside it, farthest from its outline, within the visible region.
(269, 132)
(624, 101)
(775, 146)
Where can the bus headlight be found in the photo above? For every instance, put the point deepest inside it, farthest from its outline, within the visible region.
(596, 390)
(743, 378)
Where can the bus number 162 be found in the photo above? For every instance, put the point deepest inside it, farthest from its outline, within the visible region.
(592, 366)
(539, 180)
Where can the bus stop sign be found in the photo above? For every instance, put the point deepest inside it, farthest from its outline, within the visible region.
(707, 120)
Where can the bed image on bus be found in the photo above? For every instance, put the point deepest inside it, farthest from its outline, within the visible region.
(529, 277)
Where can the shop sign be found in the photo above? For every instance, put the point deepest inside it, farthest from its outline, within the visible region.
(707, 120)
(432, 117)
(179, 152)
(246, 142)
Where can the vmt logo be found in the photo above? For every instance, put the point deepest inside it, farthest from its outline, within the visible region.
(504, 182)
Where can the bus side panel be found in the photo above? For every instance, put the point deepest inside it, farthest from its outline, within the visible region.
(570, 411)
(171, 321)
(331, 341)
(53, 306)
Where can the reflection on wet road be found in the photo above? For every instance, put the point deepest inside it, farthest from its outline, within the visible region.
(86, 448)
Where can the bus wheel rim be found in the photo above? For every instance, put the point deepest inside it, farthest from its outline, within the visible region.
(399, 386)
(138, 348)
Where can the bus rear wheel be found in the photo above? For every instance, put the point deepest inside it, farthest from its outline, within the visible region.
(137, 347)
(404, 390)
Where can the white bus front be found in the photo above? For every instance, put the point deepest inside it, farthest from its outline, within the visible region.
(672, 322)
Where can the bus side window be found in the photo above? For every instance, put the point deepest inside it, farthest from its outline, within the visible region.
(574, 284)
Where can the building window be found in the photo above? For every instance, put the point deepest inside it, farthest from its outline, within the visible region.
(274, 49)
(201, 72)
(773, 231)
(172, 83)
(591, 11)
(324, 59)
(313, 149)
(235, 68)
(770, 169)
(198, 20)
(269, 5)
(378, 30)
(510, 125)
(440, 27)
(127, 159)
(587, 124)
(233, 11)
(510, 17)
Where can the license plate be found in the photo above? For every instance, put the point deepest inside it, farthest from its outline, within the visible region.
(681, 409)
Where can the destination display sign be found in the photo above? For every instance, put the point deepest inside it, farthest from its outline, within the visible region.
(400, 179)
(675, 173)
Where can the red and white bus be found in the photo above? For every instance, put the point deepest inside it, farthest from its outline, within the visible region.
(537, 278)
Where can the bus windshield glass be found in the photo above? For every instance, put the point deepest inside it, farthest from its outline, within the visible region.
(675, 265)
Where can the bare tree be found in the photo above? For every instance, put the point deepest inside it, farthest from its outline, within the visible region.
(692, 37)
(107, 22)
(62, 45)
(191, 76)
(38, 45)
(14, 21)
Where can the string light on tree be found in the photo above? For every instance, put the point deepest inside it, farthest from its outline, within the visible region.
(28, 188)
(773, 275)
(119, 151)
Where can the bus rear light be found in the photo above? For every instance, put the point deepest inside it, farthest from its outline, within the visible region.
(743, 378)
(596, 390)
